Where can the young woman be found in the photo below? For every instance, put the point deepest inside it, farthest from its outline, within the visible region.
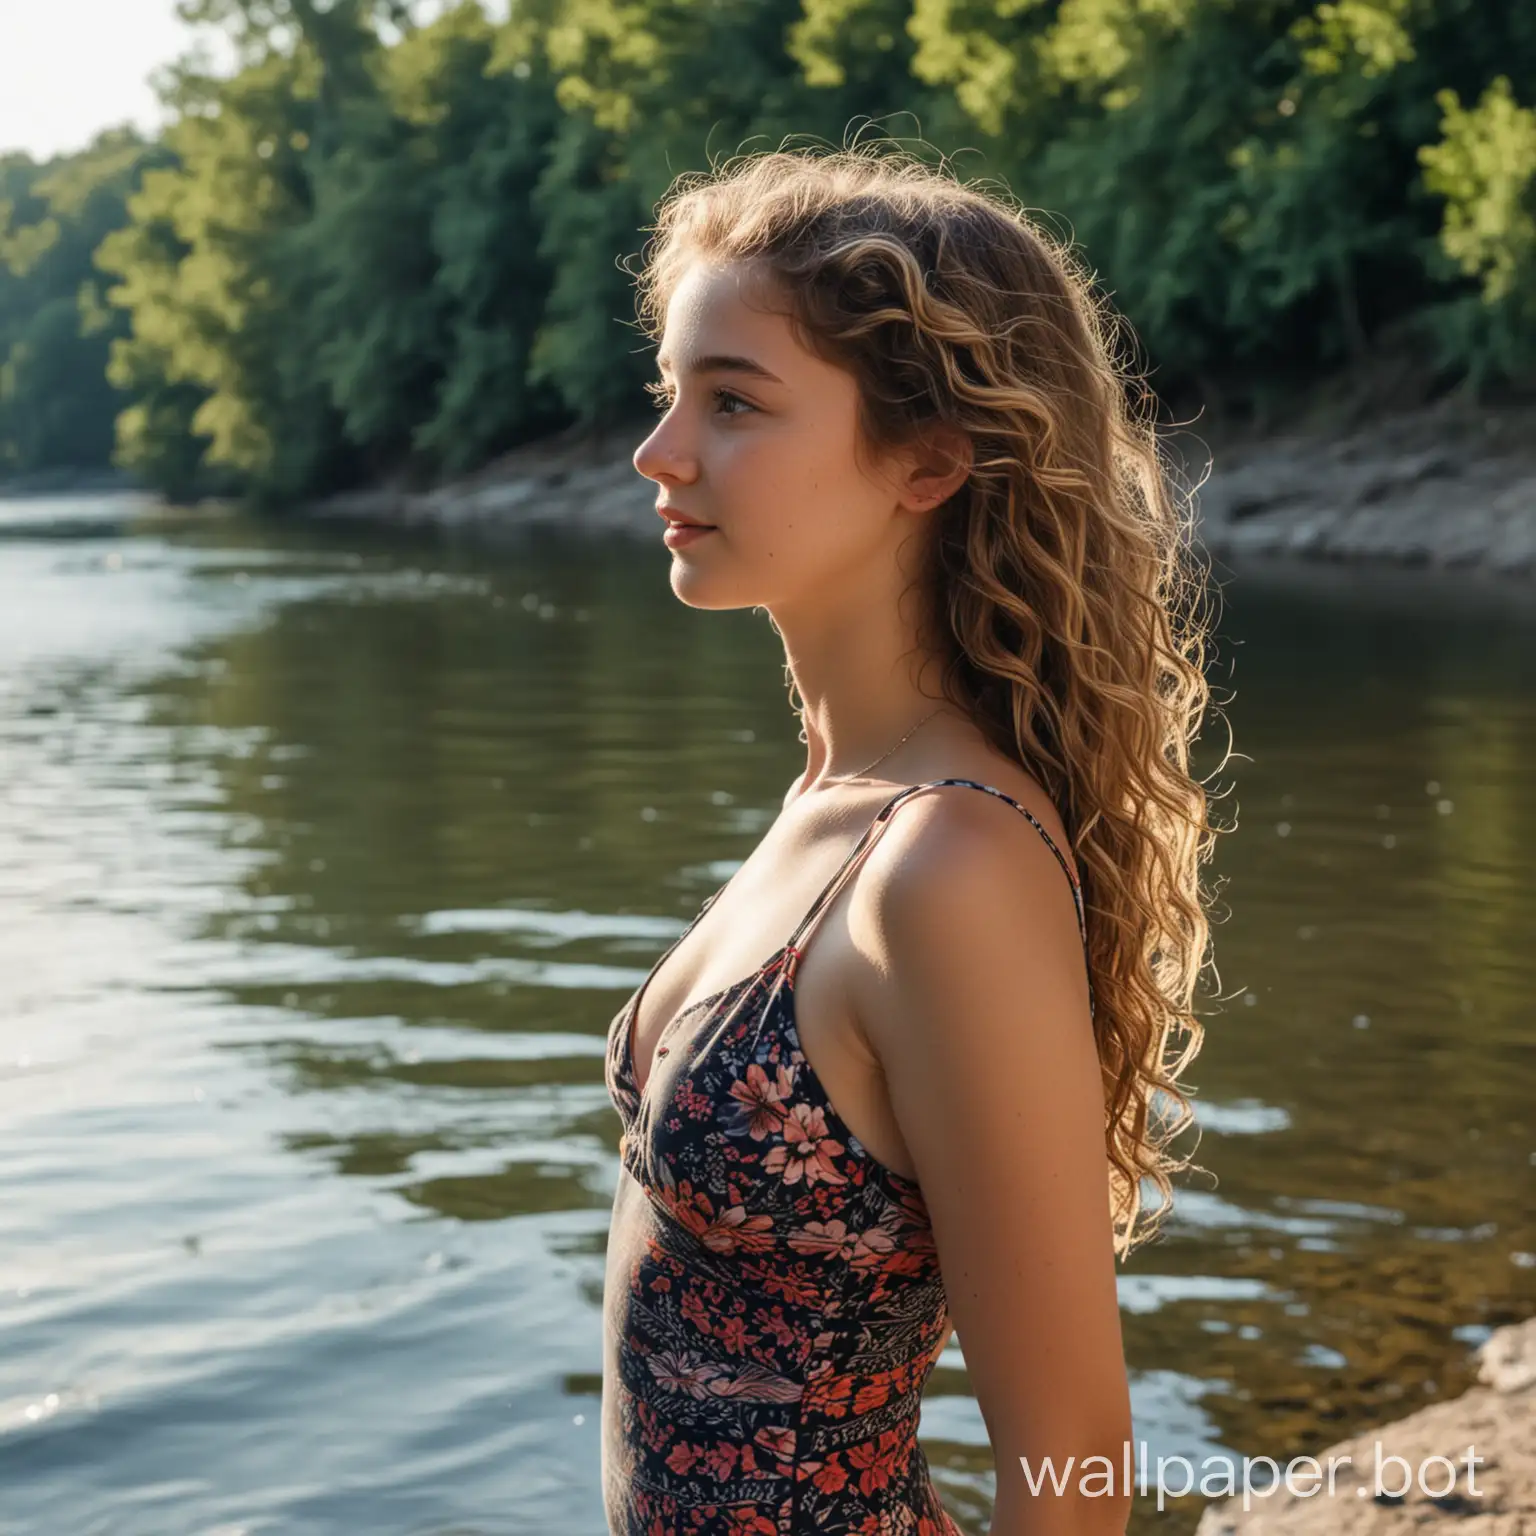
(893, 420)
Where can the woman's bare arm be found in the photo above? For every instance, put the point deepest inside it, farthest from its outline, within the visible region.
(981, 1021)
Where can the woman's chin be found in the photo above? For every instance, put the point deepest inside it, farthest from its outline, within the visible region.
(698, 587)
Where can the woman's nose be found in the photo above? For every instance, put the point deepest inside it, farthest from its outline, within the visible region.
(663, 455)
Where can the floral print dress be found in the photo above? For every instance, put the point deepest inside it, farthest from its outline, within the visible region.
(772, 1302)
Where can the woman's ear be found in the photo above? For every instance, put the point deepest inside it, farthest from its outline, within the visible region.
(935, 468)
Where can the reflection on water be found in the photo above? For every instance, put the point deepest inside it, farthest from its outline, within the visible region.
(325, 866)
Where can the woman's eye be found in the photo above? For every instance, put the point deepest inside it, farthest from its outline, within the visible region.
(662, 398)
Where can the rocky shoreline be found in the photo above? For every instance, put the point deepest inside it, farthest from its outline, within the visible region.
(1495, 1419)
(1447, 485)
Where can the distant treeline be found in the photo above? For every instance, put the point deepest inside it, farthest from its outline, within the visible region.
(382, 247)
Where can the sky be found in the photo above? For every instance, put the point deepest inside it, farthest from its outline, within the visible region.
(69, 68)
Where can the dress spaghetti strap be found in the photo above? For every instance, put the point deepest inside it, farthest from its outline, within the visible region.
(796, 946)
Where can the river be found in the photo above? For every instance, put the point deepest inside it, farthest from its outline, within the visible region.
(326, 859)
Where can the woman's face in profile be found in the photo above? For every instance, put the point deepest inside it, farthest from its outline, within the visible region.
(758, 439)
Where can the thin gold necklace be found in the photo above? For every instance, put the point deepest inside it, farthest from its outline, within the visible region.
(844, 778)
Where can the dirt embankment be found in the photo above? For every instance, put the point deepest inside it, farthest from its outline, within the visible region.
(1448, 484)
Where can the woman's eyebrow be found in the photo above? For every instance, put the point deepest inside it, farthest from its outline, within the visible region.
(722, 362)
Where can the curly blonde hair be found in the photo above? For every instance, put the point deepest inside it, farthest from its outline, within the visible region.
(1061, 587)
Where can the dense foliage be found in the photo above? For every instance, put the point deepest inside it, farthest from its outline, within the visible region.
(56, 326)
(385, 246)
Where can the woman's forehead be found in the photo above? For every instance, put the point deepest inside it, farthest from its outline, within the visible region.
(723, 309)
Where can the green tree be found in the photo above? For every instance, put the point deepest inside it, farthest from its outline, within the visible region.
(216, 303)
(427, 344)
(56, 406)
(387, 246)
(1484, 166)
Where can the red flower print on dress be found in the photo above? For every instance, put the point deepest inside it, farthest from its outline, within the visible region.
(808, 1151)
(746, 1523)
(696, 1312)
(759, 1103)
(682, 1457)
(693, 1103)
(777, 1440)
(736, 1230)
(901, 1522)
(830, 1396)
(830, 1239)
(880, 1460)
(689, 1207)
(831, 1476)
(874, 1248)
(732, 1335)
(774, 1322)
(796, 1287)
(720, 1461)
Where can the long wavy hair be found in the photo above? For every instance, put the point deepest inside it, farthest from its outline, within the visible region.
(1060, 583)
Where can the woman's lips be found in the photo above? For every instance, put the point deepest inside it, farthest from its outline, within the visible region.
(679, 534)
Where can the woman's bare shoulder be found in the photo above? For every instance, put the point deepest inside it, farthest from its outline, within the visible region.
(948, 814)
(959, 859)
(962, 895)
(977, 1009)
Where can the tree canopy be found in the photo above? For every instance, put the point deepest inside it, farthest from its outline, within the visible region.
(383, 247)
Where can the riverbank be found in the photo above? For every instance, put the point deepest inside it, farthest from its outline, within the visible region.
(67, 481)
(1446, 484)
(1429, 1489)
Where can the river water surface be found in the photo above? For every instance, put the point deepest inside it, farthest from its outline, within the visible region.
(325, 861)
